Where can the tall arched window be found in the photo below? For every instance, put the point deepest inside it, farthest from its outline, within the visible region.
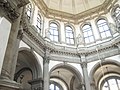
(116, 14)
(39, 22)
(54, 32)
(69, 35)
(111, 83)
(103, 28)
(28, 11)
(87, 33)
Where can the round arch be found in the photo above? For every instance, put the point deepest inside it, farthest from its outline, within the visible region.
(68, 74)
(97, 67)
(28, 57)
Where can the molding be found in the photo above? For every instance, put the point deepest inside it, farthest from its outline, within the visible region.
(70, 54)
(73, 18)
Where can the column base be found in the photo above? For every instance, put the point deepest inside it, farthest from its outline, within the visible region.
(9, 85)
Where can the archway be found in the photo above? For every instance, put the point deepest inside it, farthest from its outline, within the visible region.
(67, 76)
(100, 73)
(27, 68)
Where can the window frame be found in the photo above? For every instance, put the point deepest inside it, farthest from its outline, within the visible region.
(28, 10)
(108, 78)
(88, 36)
(102, 25)
(114, 16)
(70, 38)
(39, 23)
(57, 29)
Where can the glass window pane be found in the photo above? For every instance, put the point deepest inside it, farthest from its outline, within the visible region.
(91, 39)
(69, 35)
(105, 86)
(108, 33)
(85, 34)
(103, 35)
(113, 85)
(55, 32)
(101, 29)
(106, 27)
(86, 40)
(118, 81)
(51, 32)
(52, 87)
(90, 33)
(51, 37)
(71, 41)
(56, 38)
(67, 40)
(57, 88)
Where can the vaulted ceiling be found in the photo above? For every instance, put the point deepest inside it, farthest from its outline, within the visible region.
(72, 6)
(74, 11)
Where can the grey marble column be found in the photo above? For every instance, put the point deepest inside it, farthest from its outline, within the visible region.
(11, 53)
(46, 72)
(85, 73)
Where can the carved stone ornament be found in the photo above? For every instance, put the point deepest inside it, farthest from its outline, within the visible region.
(20, 34)
(10, 11)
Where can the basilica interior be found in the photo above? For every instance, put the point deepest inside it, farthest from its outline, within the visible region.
(60, 45)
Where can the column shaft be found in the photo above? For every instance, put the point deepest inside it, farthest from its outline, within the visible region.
(85, 73)
(10, 58)
(46, 73)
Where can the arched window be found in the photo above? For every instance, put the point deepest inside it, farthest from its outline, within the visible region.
(54, 31)
(117, 15)
(54, 87)
(87, 33)
(69, 35)
(39, 22)
(28, 11)
(111, 83)
(103, 28)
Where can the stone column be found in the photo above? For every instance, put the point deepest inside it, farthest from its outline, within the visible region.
(85, 73)
(46, 72)
(11, 53)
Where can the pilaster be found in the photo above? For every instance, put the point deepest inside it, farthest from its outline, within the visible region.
(46, 70)
(13, 10)
(85, 73)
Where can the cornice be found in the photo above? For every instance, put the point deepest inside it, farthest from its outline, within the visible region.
(30, 32)
(74, 51)
(73, 18)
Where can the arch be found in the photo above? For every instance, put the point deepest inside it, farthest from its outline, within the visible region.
(54, 21)
(20, 71)
(98, 66)
(71, 76)
(31, 61)
(70, 68)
